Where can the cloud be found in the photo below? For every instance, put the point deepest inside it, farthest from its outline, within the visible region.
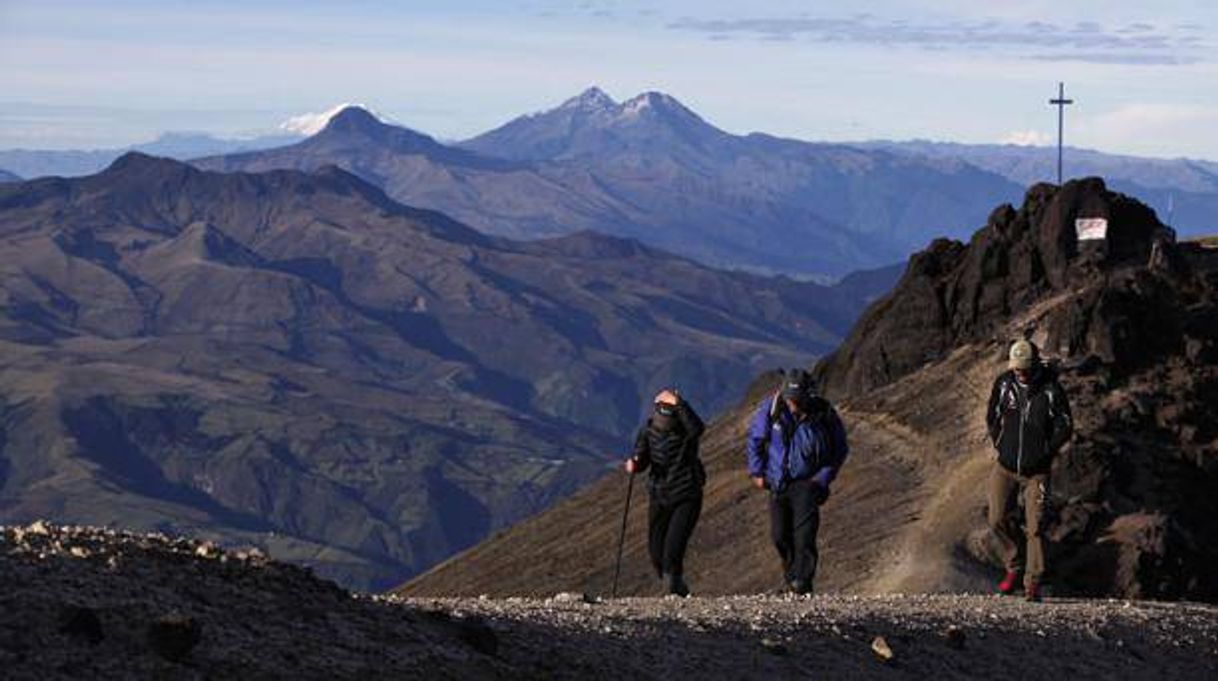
(1087, 41)
(1138, 27)
(311, 123)
(1150, 121)
(1027, 138)
(1130, 58)
(1157, 129)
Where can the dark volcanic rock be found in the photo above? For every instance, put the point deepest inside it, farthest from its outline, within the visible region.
(1131, 322)
(954, 293)
(267, 620)
(479, 636)
(174, 636)
(83, 623)
(172, 607)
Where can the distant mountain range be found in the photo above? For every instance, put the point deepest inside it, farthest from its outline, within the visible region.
(296, 361)
(1183, 191)
(650, 168)
(6, 176)
(33, 163)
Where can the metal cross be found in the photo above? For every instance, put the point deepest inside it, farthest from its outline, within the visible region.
(1060, 103)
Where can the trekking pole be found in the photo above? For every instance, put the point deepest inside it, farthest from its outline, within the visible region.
(621, 539)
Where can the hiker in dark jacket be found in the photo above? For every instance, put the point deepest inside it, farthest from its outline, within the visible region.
(1028, 419)
(668, 446)
(796, 446)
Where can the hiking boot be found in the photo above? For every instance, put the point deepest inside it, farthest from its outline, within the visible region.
(1009, 583)
(800, 587)
(675, 585)
(1031, 593)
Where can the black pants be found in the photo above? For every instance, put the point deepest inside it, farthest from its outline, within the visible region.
(794, 522)
(669, 527)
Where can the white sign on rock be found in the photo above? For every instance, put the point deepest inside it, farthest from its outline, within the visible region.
(1091, 228)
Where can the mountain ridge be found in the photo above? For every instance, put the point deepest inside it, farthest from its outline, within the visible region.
(116, 604)
(586, 124)
(36, 163)
(657, 172)
(651, 169)
(297, 362)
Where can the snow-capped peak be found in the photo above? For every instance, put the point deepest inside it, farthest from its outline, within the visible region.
(635, 106)
(592, 98)
(651, 100)
(312, 123)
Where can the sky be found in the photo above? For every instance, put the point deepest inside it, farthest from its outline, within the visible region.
(108, 73)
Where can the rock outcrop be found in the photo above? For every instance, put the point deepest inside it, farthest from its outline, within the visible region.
(1131, 320)
(954, 293)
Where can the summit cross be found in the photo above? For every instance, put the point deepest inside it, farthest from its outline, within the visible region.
(1060, 103)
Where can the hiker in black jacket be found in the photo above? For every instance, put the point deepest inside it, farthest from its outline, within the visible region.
(1029, 420)
(668, 446)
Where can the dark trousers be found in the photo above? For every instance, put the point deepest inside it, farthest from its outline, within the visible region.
(669, 527)
(794, 522)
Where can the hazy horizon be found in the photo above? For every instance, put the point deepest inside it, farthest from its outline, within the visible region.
(84, 76)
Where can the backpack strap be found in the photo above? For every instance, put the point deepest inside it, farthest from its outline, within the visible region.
(771, 414)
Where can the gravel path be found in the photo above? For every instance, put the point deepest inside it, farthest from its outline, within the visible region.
(90, 603)
(942, 636)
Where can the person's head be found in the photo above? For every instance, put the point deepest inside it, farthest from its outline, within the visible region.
(1023, 360)
(663, 417)
(798, 389)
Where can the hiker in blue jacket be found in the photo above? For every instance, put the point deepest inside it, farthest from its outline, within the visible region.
(796, 445)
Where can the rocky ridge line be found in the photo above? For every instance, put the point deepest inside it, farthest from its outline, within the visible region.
(98, 603)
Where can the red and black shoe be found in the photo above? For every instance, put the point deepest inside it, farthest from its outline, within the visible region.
(1031, 593)
(1009, 583)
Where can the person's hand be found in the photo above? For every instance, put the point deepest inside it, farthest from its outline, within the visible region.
(759, 482)
(631, 466)
(667, 396)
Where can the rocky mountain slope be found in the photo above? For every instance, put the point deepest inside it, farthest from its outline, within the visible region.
(87, 603)
(1135, 336)
(653, 170)
(1133, 319)
(297, 362)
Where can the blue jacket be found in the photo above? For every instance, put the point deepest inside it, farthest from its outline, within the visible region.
(782, 449)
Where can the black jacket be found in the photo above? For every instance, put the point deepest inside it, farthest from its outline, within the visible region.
(1028, 424)
(668, 447)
